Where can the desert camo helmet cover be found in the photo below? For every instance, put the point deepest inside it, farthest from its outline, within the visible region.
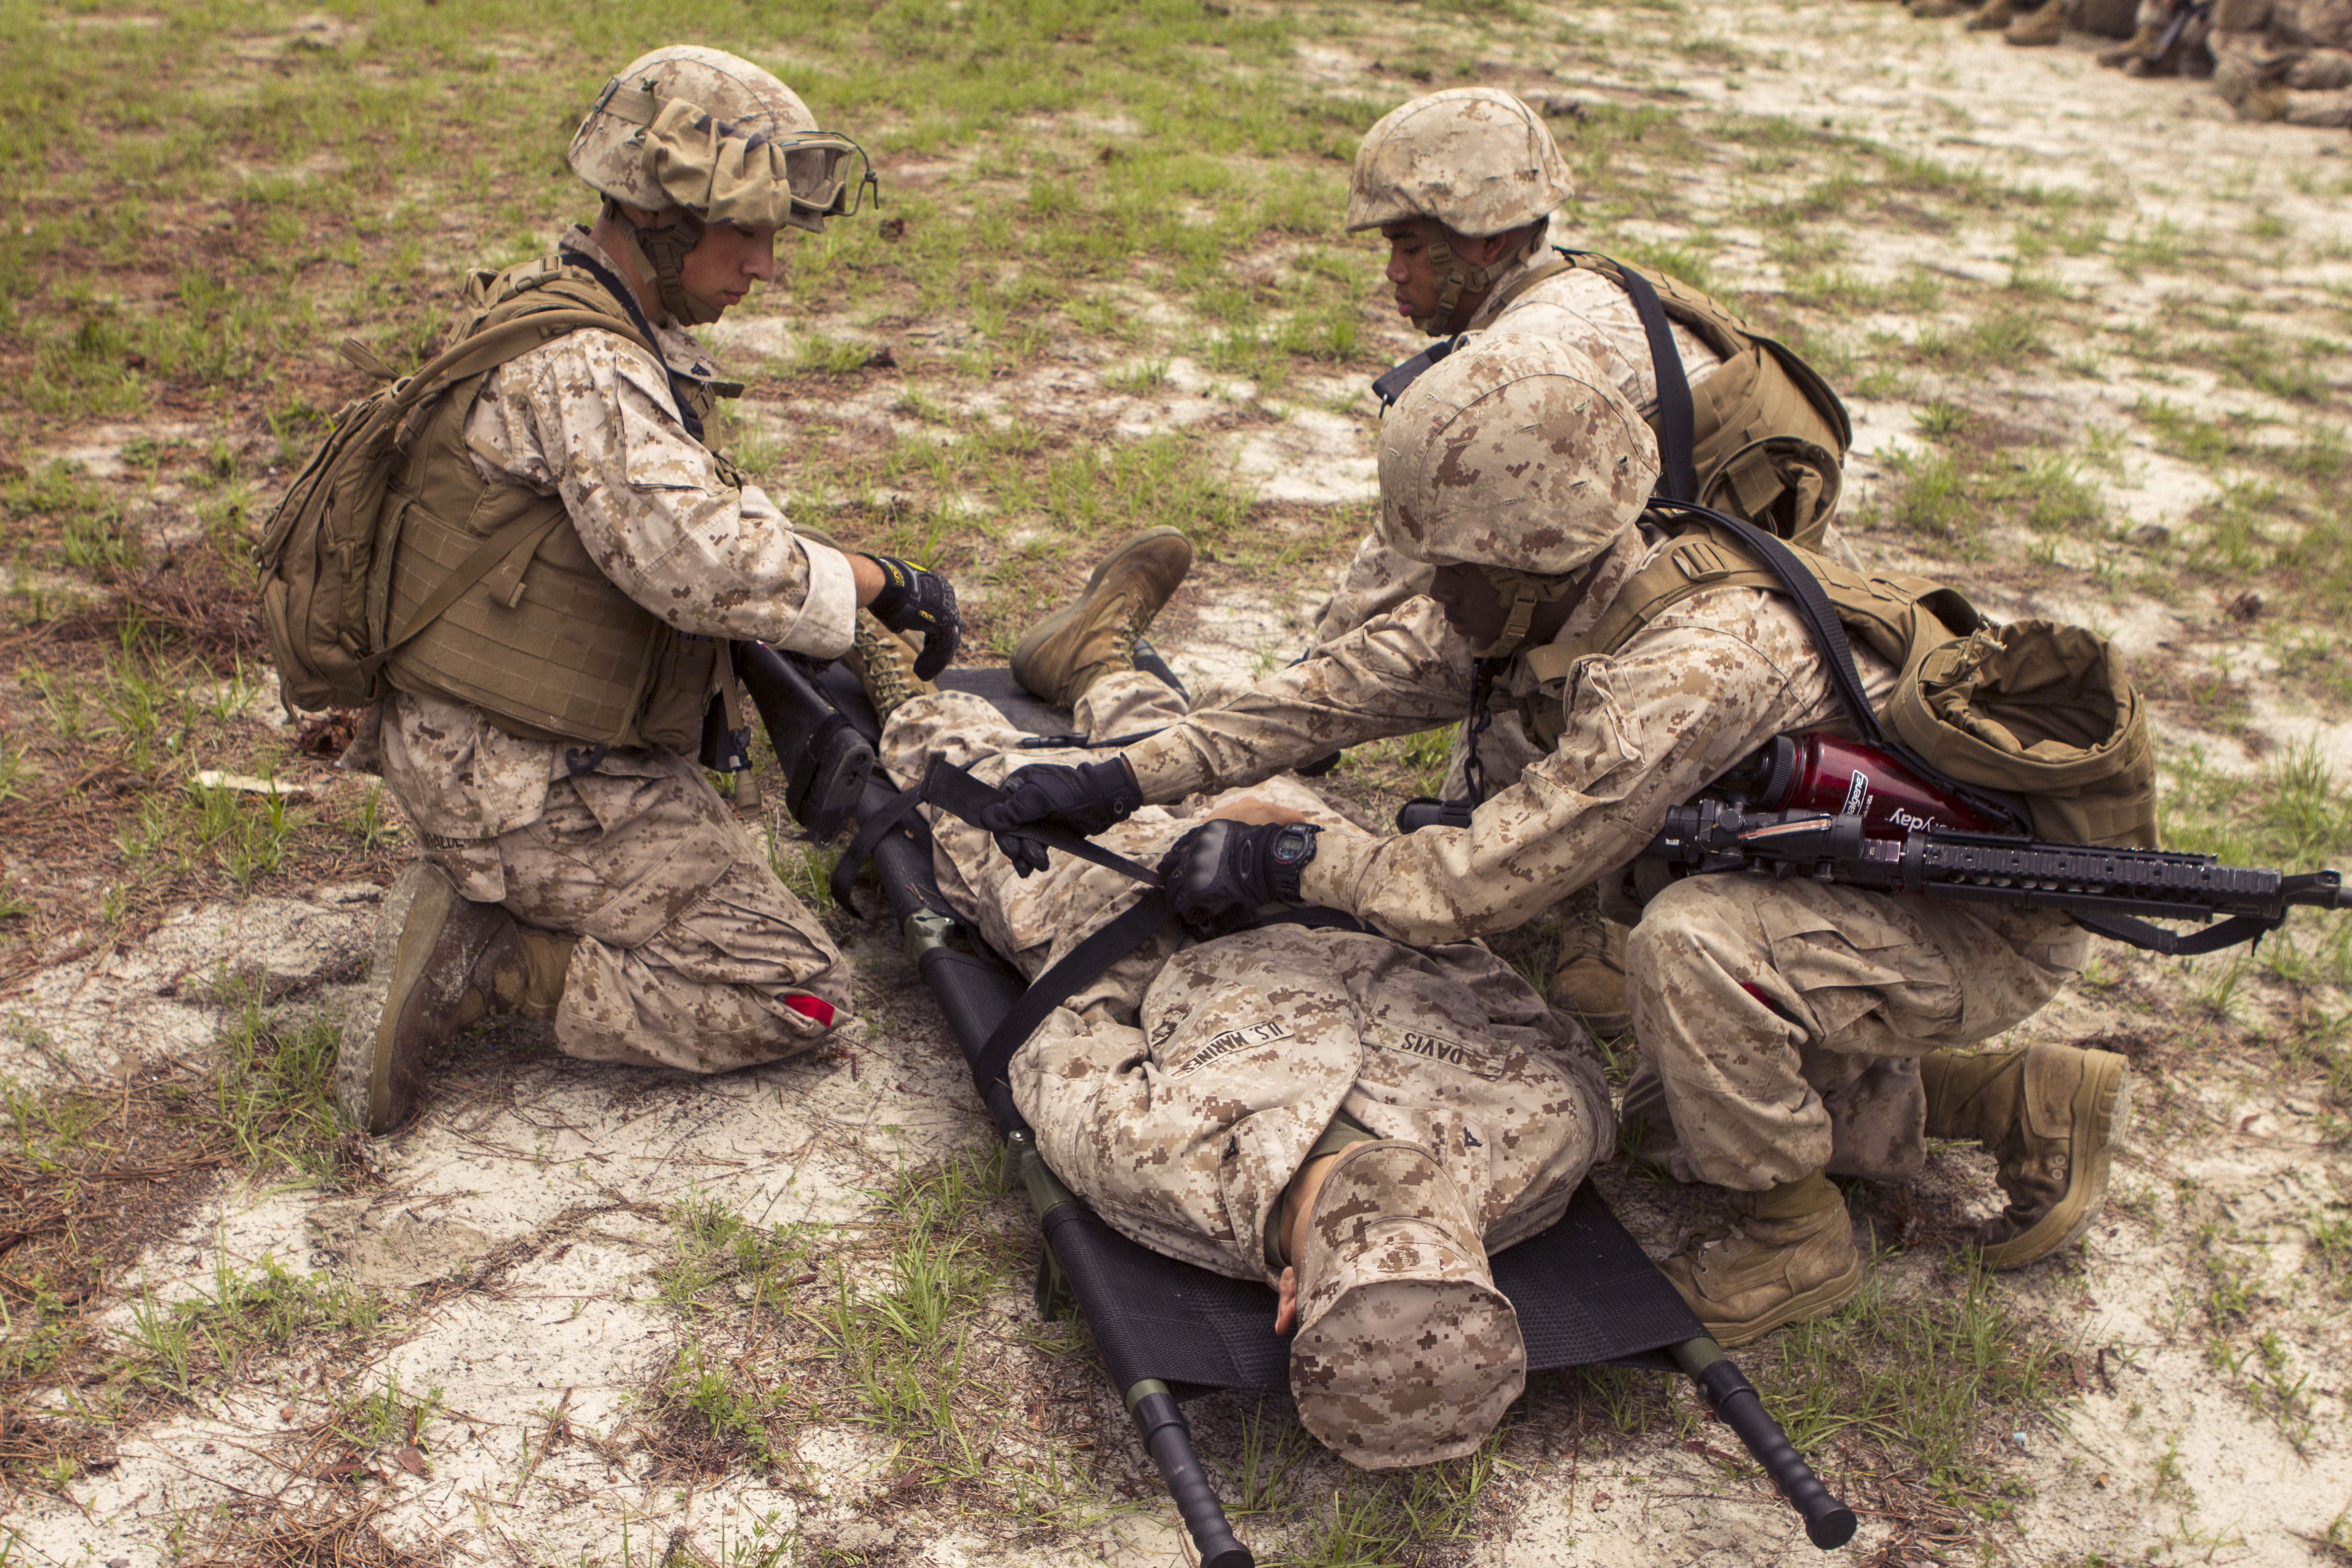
(712, 133)
(1517, 455)
(1474, 159)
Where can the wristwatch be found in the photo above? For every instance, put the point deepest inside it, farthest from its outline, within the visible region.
(1293, 847)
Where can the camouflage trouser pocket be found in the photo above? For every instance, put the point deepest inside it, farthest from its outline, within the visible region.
(619, 858)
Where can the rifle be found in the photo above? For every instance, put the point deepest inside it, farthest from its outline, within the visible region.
(2107, 890)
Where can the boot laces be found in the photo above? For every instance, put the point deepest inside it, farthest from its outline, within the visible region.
(1131, 627)
(890, 674)
(1589, 934)
(1121, 635)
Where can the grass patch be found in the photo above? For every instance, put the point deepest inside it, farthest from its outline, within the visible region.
(1924, 1384)
(1417, 1518)
(1953, 496)
(92, 1176)
(898, 1344)
(2294, 815)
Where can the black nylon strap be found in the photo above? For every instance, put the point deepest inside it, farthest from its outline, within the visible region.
(1677, 419)
(959, 795)
(869, 837)
(1821, 618)
(2182, 15)
(956, 792)
(952, 790)
(1404, 373)
(1078, 968)
(1075, 743)
(627, 298)
(2174, 943)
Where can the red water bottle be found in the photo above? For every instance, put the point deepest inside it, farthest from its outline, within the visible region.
(1840, 778)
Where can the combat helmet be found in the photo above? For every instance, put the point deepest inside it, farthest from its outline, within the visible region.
(712, 133)
(1474, 159)
(1517, 455)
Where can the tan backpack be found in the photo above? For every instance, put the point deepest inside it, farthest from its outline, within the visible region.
(324, 563)
(2034, 708)
(1764, 437)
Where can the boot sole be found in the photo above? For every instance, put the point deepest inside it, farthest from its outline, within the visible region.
(1026, 651)
(2101, 1116)
(364, 1067)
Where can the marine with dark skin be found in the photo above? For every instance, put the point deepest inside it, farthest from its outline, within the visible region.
(1412, 276)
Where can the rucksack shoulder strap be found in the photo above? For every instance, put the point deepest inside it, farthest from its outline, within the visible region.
(511, 339)
(1550, 267)
(1724, 330)
(1697, 561)
(1677, 420)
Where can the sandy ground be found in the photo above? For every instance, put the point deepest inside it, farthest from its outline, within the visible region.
(518, 1229)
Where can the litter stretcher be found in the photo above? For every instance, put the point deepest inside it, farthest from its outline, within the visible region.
(1584, 1291)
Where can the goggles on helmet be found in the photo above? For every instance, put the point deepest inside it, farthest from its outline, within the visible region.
(732, 175)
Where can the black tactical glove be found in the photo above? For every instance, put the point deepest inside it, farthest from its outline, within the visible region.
(1085, 798)
(914, 600)
(1219, 874)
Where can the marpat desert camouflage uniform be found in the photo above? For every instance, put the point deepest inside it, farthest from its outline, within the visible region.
(690, 946)
(1858, 979)
(1183, 1089)
(2286, 59)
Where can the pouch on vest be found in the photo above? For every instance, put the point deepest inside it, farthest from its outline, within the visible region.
(324, 555)
(391, 564)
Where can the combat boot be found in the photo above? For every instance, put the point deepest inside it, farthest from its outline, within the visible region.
(1588, 978)
(1406, 1353)
(1993, 16)
(2053, 1116)
(443, 962)
(1079, 644)
(884, 663)
(1787, 1257)
(2037, 28)
(2248, 97)
(2138, 46)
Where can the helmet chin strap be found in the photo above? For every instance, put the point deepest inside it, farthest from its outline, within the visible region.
(1456, 278)
(1526, 589)
(662, 252)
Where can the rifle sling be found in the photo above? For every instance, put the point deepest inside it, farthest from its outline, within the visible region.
(2175, 944)
(1821, 618)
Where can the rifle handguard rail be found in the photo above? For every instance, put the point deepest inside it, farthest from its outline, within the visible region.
(1992, 868)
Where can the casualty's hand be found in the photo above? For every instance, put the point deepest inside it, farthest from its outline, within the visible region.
(1257, 810)
(914, 600)
(1286, 1306)
(1220, 873)
(1084, 797)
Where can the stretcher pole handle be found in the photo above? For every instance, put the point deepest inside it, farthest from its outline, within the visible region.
(1829, 1523)
(1169, 1439)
